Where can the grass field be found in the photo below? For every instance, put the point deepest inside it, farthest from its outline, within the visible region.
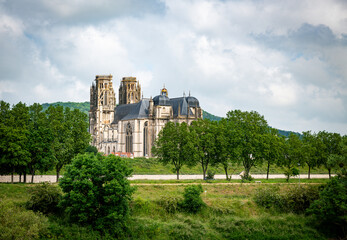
(230, 213)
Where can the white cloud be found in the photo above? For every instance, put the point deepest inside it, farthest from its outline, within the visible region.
(284, 59)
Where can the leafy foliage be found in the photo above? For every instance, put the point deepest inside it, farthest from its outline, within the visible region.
(44, 198)
(82, 106)
(331, 207)
(170, 204)
(192, 201)
(249, 128)
(97, 192)
(293, 156)
(295, 199)
(174, 145)
(16, 223)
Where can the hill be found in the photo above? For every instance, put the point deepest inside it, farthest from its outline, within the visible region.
(84, 107)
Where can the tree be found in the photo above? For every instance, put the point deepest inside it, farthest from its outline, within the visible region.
(174, 145)
(249, 127)
(69, 129)
(293, 155)
(311, 149)
(227, 149)
(272, 149)
(14, 132)
(331, 143)
(40, 141)
(97, 192)
(204, 135)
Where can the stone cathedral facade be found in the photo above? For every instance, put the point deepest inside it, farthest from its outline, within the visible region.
(133, 125)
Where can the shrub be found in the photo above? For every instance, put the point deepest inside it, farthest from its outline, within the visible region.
(17, 223)
(97, 192)
(295, 199)
(192, 201)
(210, 174)
(44, 198)
(246, 178)
(170, 204)
(331, 207)
(269, 197)
(298, 198)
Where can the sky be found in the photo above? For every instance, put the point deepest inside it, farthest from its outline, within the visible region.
(287, 60)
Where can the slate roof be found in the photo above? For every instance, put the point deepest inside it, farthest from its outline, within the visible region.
(131, 111)
(140, 110)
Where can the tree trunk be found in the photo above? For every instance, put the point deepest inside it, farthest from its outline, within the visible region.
(25, 177)
(226, 172)
(12, 176)
(178, 174)
(32, 176)
(268, 169)
(309, 172)
(329, 172)
(204, 171)
(58, 173)
(20, 177)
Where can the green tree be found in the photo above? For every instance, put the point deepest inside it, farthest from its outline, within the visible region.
(70, 135)
(293, 155)
(272, 149)
(330, 145)
(40, 141)
(227, 150)
(249, 127)
(97, 192)
(310, 148)
(14, 132)
(174, 145)
(339, 161)
(204, 137)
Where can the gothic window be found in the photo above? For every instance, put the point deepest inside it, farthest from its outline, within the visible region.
(114, 149)
(108, 150)
(145, 140)
(129, 139)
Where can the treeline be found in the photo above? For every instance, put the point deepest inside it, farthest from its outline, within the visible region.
(34, 140)
(245, 138)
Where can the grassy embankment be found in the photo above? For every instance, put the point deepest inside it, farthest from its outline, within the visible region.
(151, 166)
(230, 213)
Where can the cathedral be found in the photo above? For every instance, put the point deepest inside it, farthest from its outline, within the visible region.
(131, 126)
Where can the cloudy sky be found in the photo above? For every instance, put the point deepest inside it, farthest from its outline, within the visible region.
(286, 60)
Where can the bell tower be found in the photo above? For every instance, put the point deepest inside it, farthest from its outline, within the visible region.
(102, 103)
(129, 91)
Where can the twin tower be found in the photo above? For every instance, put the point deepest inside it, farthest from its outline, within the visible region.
(103, 102)
(131, 127)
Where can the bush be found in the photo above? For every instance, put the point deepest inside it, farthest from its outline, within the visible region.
(97, 192)
(299, 198)
(295, 199)
(17, 223)
(44, 198)
(170, 204)
(247, 178)
(192, 201)
(210, 174)
(269, 197)
(331, 207)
